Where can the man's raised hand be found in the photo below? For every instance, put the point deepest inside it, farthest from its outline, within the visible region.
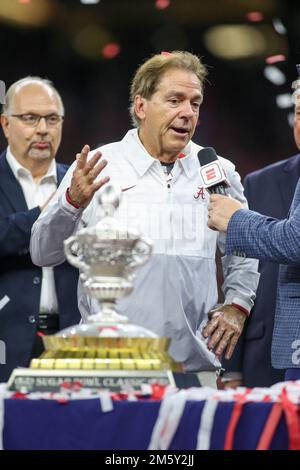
(83, 184)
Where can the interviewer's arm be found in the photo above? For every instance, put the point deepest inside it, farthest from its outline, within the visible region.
(264, 237)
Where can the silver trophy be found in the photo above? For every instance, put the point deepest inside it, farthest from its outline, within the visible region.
(107, 255)
(106, 351)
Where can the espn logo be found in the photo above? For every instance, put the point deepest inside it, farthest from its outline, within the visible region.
(2, 92)
(212, 174)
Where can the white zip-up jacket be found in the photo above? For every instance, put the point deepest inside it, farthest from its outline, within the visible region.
(176, 289)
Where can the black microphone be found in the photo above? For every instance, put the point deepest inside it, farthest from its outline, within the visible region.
(212, 172)
(213, 177)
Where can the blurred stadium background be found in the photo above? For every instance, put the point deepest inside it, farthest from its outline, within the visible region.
(90, 49)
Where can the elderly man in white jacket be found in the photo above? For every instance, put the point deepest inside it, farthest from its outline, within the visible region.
(156, 166)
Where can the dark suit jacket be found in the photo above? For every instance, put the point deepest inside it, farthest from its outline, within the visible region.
(20, 279)
(270, 192)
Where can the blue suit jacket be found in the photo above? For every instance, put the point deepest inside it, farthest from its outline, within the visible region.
(279, 241)
(270, 192)
(20, 279)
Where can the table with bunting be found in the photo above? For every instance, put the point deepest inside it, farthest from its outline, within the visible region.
(155, 418)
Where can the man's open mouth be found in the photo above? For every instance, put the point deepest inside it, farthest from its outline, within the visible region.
(180, 130)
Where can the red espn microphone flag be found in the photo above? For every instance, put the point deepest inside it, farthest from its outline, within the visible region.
(210, 174)
(211, 171)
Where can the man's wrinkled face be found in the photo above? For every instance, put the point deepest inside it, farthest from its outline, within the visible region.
(169, 117)
(36, 143)
(297, 121)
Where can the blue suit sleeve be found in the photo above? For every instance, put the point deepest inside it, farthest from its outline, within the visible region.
(265, 238)
(15, 231)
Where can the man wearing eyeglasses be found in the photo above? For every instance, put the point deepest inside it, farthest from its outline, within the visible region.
(33, 301)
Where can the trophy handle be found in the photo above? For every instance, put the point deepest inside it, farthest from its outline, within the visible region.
(74, 260)
(142, 252)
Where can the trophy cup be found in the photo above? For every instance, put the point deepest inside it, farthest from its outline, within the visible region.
(106, 351)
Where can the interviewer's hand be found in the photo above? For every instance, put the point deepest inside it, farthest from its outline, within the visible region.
(224, 329)
(83, 185)
(220, 210)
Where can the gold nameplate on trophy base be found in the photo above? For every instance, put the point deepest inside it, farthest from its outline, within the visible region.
(43, 380)
(110, 363)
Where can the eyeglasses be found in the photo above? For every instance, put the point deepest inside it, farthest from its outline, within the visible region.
(32, 120)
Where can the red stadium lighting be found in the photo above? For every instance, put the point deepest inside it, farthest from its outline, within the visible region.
(162, 4)
(111, 50)
(254, 16)
(273, 59)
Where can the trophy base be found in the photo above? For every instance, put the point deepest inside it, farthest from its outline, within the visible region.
(36, 380)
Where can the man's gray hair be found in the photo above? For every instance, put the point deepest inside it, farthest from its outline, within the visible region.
(148, 76)
(6, 107)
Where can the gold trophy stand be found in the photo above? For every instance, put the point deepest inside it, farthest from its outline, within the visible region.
(99, 363)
